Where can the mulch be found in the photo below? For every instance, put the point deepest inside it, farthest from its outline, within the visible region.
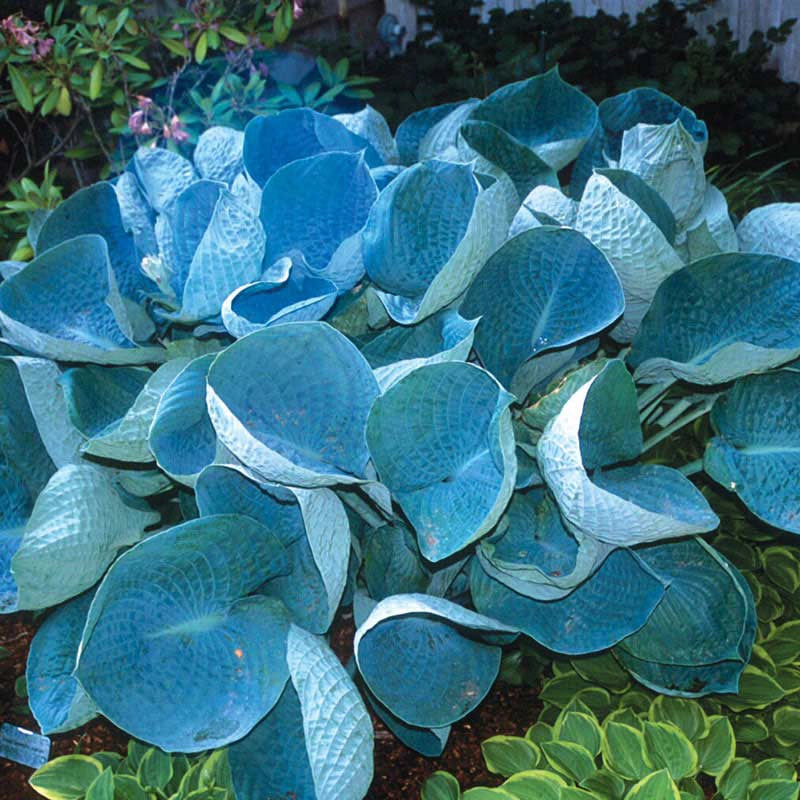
(399, 772)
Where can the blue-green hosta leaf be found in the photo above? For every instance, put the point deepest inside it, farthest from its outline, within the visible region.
(544, 289)
(622, 112)
(498, 151)
(257, 305)
(10, 540)
(65, 305)
(41, 379)
(698, 640)
(126, 437)
(57, 700)
(609, 605)
(371, 125)
(429, 742)
(534, 555)
(631, 238)
(670, 160)
(96, 209)
(544, 113)
(441, 139)
(77, 525)
(771, 229)
(401, 649)
(442, 442)
(291, 402)
(756, 452)
(428, 235)
(162, 176)
(625, 506)
(446, 336)
(218, 154)
(172, 626)
(218, 244)
(383, 176)
(272, 142)
(138, 218)
(317, 742)
(181, 436)
(711, 231)
(392, 563)
(542, 203)
(311, 525)
(414, 127)
(315, 205)
(720, 318)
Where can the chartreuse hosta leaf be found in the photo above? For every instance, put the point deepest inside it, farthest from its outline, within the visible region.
(218, 154)
(445, 336)
(291, 402)
(622, 112)
(181, 437)
(77, 525)
(311, 525)
(627, 505)
(403, 643)
(543, 113)
(65, 305)
(546, 288)
(172, 626)
(57, 700)
(442, 442)
(634, 228)
(698, 639)
(316, 743)
(428, 235)
(95, 210)
(616, 600)
(720, 318)
(771, 229)
(271, 142)
(215, 244)
(756, 452)
(322, 223)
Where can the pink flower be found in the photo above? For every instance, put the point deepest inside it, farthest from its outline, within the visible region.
(167, 131)
(143, 102)
(136, 122)
(43, 48)
(146, 129)
(179, 134)
(23, 32)
(297, 9)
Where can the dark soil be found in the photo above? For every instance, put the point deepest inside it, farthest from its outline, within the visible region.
(399, 772)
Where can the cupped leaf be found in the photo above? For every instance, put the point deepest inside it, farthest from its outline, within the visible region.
(392, 563)
(65, 305)
(167, 610)
(441, 139)
(256, 305)
(546, 288)
(96, 210)
(621, 215)
(372, 126)
(319, 714)
(756, 452)
(271, 142)
(218, 154)
(319, 222)
(614, 602)
(291, 402)
(544, 113)
(698, 639)
(57, 700)
(720, 318)
(412, 130)
(442, 442)
(544, 205)
(446, 336)
(311, 525)
(625, 506)
(162, 175)
(408, 636)
(428, 235)
(181, 436)
(711, 231)
(77, 525)
(771, 229)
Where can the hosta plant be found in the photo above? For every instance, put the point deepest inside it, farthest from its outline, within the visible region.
(323, 364)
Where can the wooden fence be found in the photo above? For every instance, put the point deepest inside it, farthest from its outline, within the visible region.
(744, 17)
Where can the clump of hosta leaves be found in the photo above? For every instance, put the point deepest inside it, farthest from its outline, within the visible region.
(667, 749)
(321, 364)
(144, 773)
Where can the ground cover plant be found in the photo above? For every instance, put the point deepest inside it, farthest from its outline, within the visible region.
(322, 365)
